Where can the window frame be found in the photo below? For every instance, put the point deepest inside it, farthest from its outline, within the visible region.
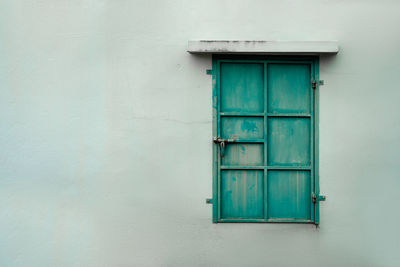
(216, 62)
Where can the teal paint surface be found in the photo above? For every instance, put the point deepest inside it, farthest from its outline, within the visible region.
(243, 155)
(289, 142)
(242, 92)
(242, 127)
(265, 170)
(242, 194)
(288, 194)
(289, 88)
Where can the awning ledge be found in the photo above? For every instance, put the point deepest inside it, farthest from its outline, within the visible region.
(263, 47)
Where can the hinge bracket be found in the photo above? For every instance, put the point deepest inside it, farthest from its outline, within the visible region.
(209, 200)
(316, 198)
(314, 83)
(209, 72)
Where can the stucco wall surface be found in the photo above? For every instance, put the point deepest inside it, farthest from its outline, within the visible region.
(105, 134)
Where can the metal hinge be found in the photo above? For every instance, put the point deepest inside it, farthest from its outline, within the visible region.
(209, 72)
(209, 200)
(316, 198)
(314, 83)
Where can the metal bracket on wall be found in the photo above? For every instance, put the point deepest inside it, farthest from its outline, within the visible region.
(209, 72)
(316, 198)
(314, 83)
(209, 200)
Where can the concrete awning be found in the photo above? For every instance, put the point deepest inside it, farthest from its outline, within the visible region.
(263, 47)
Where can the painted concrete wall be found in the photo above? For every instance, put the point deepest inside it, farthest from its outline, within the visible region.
(105, 134)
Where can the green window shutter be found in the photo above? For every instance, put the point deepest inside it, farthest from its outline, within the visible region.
(265, 140)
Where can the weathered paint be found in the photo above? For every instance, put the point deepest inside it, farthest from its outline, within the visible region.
(242, 194)
(263, 47)
(289, 195)
(241, 154)
(289, 141)
(265, 169)
(289, 88)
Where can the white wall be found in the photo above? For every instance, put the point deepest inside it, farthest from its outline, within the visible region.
(105, 134)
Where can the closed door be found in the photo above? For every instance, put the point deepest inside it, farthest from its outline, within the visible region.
(264, 141)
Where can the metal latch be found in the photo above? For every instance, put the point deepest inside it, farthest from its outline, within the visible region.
(221, 143)
(314, 83)
(316, 198)
(220, 140)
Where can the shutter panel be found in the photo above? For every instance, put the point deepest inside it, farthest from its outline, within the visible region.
(264, 141)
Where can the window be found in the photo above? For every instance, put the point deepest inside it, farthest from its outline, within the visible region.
(265, 130)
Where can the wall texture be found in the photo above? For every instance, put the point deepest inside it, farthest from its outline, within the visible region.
(105, 134)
